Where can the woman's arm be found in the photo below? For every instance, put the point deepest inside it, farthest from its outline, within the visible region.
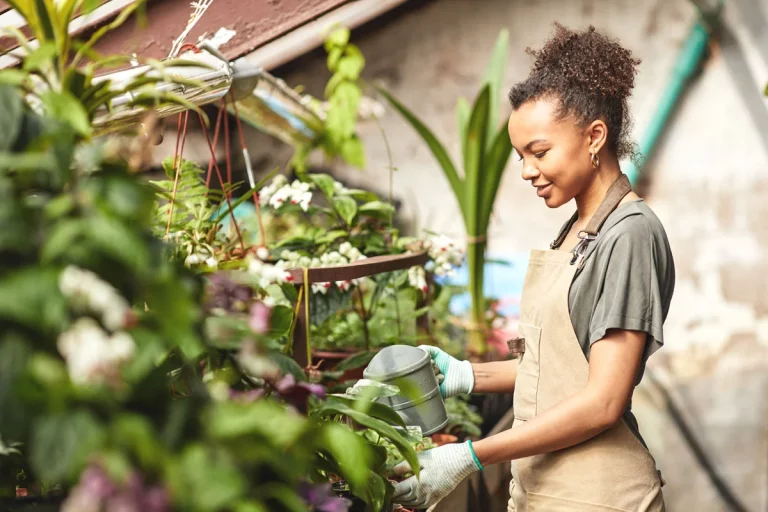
(496, 377)
(613, 365)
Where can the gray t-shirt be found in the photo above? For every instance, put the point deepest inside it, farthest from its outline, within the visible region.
(626, 282)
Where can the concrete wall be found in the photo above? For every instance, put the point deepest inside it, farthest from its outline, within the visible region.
(708, 185)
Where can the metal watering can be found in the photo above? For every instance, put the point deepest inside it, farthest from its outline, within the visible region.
(410, 369)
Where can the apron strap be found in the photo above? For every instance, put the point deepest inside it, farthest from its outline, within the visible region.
(616, 192)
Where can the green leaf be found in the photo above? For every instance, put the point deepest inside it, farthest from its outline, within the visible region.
(13, 77)
(474, 149)
(371, 408)
(364, 196)
(229, 420)
(14, 355)
(44, 19)
(330, 236)
(346, 207)
(288, 365)
(31, 297)
(403, 446)
(353, 152)
(351, 65)
(119, 241)
(495, 162)
(61, 238)
(67, 109)
(61, 444)
(337, 39)
(41, 57)
(333, 58)
(204, 479)
(135, 434)
(351, 453)
(494, 77)
(462, 117)
(438, 150)
(377, 207)
(323, 306)
(325, 183)
(11, 112)
(280, 321)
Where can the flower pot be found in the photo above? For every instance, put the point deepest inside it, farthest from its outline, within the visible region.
(441, 439)
(328, 360)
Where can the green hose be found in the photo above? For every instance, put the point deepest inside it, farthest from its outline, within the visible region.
(688, 61)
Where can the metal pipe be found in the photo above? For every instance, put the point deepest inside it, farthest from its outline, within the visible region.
(213, 73)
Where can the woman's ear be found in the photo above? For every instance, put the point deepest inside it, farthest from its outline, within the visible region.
(598, 135)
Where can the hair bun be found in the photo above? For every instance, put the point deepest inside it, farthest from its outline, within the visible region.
(588, 60)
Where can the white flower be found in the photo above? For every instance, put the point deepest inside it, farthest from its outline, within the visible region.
(262, 253)
(92, 356)
(212, 262)
(344, 248)
(191, 260)
(88, 292)
(417, 278)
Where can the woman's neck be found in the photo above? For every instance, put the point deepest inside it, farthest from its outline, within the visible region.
(589, 200)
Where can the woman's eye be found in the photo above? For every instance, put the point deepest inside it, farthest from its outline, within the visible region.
(519, 156)
(540, 154)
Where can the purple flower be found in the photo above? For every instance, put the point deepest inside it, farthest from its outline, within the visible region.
(321, 499)
(223, 293)
(297, 392)
(258, 317)
(96, 492)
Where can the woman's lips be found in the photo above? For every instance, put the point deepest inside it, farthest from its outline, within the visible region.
(543, 190)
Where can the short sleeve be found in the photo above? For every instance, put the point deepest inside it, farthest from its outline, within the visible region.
(632, 281)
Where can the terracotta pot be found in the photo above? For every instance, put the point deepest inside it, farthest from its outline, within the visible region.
(441, 439)
(328, 360)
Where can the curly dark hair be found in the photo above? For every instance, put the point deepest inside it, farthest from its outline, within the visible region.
(591, 75)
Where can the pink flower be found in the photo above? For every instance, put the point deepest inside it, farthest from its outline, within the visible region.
(258, 317)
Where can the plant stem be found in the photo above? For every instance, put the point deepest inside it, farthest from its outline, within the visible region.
(476, 266)
(364, 317)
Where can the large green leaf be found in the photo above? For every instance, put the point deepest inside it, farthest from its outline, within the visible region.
(204, 479)
(346, 207)
(67, 109)
(332, 407)
(373, 409)
(474, 150)
(31, 297)
(463, 111)
(11, 112)
(229, 420)
(61, 444)
(351, 453)
(438, 150)
(494, 77)
(495, 162)
(325, 183)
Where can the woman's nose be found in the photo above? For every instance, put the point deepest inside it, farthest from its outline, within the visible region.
(530, 172)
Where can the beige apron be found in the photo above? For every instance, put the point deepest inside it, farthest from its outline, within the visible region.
(613, 471)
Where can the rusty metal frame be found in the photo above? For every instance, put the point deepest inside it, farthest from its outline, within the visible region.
(361, 268)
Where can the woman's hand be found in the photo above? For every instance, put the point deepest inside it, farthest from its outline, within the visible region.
(442, 470)
(458, 375)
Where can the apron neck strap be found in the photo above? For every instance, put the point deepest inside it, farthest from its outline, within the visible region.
(616, 192)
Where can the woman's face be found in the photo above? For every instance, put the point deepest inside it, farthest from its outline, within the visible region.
(555, 152)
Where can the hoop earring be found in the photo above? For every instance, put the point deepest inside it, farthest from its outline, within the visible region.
(595, 160)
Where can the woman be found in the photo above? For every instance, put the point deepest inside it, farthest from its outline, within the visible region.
(592, 307)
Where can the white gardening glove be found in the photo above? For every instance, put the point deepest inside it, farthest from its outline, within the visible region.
(458, 375)
(442, 470)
